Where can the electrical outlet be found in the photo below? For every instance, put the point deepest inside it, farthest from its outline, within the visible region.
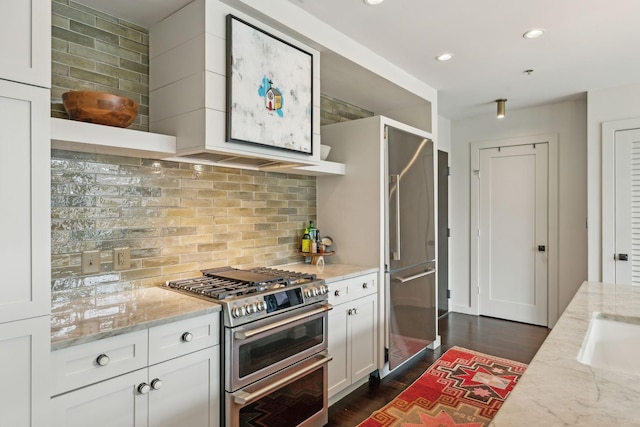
(90, 262)
(121, 259)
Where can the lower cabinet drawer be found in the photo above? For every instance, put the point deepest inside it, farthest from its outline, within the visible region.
(84, 364)
(182, 337)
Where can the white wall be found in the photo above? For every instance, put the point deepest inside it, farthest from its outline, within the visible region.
(569, 121)
(604, 105)
(443, 137)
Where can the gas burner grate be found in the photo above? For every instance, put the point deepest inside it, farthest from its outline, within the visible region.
(226, 282)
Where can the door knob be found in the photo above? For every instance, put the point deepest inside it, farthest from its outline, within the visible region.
(542, 248)
(623, 257)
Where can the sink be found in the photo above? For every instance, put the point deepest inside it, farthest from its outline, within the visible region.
(612, 342)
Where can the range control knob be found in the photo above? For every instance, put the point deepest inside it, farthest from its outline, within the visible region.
(239, 311)
(308, 293)
(262, 306)
(251, 308)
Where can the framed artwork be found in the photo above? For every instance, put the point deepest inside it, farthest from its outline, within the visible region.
(269, 89)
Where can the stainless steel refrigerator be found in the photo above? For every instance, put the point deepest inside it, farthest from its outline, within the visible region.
(410, 244)
(381, 213)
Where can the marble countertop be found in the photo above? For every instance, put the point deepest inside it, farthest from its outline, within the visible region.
(331, 272)
(557, 390)
(84, 320)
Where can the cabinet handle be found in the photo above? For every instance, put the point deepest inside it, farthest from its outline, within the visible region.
(337, 293)
(156, 384)
(187, 337)
(352, 311)
(144, 388)
(365, 285)
(102, 360)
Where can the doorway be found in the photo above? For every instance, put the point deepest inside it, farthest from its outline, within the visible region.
(513, 233)
(621, 202)
(514, 229)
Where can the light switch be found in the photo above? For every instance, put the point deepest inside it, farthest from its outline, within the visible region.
(90, 262)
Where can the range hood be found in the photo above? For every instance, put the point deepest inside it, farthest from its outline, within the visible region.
(187, 91)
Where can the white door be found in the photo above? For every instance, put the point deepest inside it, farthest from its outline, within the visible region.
(627, 207)
(513, 220)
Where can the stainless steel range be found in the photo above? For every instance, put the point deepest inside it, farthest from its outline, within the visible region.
(274, 344)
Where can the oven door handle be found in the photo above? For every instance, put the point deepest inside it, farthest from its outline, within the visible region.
(243, 335)
(243, 398)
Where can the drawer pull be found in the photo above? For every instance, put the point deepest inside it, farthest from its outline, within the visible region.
(144, 388)
(187, 337)
(156, 384)
(337, 293)
(103, 360)
(365, 285)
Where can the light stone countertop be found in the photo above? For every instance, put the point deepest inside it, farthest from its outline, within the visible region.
(89, 319)
(331, 272)
(84, 320)
(557, 390)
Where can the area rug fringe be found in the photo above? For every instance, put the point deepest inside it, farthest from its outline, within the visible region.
(462, 388)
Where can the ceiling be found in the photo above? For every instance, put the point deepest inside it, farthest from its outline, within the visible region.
(587, 45)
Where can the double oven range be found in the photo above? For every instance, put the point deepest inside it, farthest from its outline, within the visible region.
(274, 344)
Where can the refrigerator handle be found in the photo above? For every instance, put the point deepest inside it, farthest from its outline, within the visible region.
(395, 179)
(415, 276)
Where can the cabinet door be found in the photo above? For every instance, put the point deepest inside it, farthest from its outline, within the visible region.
(24, 367)
(112, 403)
(339, 367)
(186, 390)
(25, 41)
(362, 331)
(25, 247)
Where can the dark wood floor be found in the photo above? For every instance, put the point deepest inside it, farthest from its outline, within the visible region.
(501, 338)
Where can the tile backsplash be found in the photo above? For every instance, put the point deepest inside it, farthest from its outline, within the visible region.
(176, 218)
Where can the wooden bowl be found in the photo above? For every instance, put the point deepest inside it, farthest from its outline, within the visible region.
(100, 108)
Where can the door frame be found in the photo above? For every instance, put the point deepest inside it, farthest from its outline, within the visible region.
(552, 241)
(608, 241)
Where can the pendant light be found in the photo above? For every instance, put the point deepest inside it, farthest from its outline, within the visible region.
(501, 108)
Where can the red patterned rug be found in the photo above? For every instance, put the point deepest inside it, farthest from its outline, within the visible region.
(462, 388)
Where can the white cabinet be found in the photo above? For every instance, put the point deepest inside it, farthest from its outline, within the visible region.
(353, 332)
(181, 391)
(25, 42)
(25, 248)
(104, 384)
(24, 367)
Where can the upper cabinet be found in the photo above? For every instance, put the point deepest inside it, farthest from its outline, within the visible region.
(25, 42)
(25, 183)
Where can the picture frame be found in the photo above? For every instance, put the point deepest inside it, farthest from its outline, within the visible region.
(269, 89)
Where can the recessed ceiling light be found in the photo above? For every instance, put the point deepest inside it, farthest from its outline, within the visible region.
(373, 2)
(444, 56)
(533, 34)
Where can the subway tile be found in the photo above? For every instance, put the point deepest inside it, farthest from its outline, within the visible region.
(119, 54)
(134, 46)
(129, 63)
(93, 32)
(120, 30)
(71, 36)
(93, 77)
